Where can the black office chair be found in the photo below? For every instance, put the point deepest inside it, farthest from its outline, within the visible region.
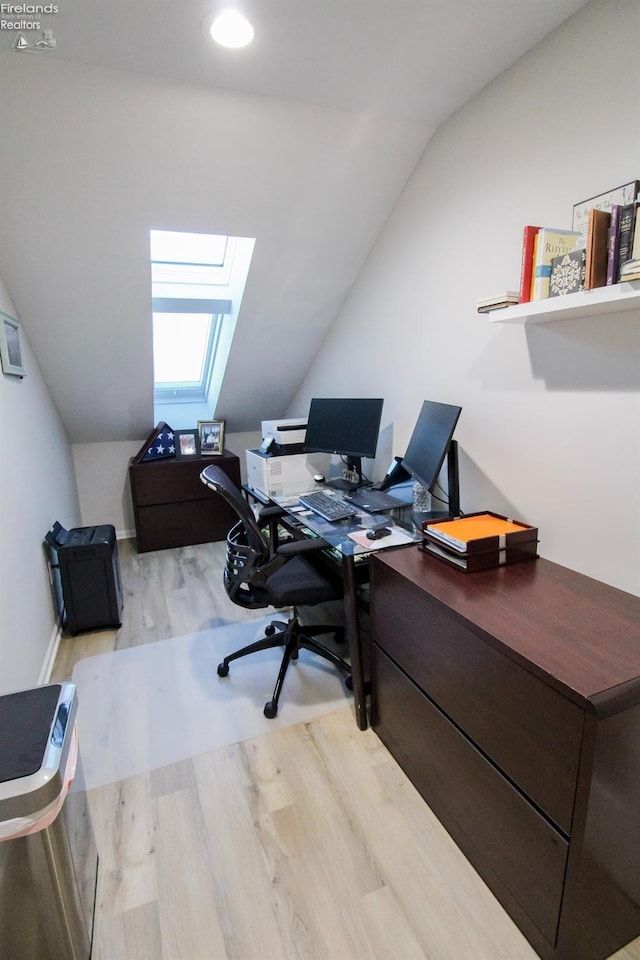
(259, 572)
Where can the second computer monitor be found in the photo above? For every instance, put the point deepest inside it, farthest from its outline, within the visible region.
(348, 427)
(430, 440)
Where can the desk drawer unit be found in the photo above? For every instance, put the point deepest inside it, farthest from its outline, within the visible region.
(511, 698)
(484, 813)
(172, 508)
(530, 732)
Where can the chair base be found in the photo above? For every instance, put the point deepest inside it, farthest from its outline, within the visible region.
(293, 637)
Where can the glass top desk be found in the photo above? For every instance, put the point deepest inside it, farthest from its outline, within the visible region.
(348, 552)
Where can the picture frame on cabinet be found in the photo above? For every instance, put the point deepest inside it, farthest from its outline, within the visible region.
(11, 352)
(211, 434)
(187, 444)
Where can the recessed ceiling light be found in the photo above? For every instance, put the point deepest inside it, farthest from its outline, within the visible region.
(231, 29)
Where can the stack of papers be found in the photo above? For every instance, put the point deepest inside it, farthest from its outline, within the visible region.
(480, 540)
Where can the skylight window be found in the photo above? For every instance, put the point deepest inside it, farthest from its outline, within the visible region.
(179, 343)
(197, 284)
(183, 344)
(200, 248)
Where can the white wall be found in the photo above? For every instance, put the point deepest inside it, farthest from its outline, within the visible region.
(102, 471)
(96, 158)
(550, 428)
(38, 488)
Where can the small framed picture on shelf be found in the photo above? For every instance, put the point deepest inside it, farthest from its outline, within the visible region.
(211, 434)
(11, 346)
(187, 443)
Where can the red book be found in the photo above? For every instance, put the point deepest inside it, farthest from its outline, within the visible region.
(528, 239)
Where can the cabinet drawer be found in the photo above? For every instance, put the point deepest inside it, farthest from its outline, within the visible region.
(513, 847)
(173, 481)
(167, 525)
(526, 727)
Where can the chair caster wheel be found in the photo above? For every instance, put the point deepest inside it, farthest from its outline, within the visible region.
(269, 710)
(270, 630)
(223, 669)
(349, 683)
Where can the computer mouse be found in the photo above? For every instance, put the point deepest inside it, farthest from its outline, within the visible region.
(377, 533)
(318, 477)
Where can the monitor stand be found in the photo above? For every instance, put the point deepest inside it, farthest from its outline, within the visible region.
(354, 466)
(453, 483)
(339, 484)
(453, 479)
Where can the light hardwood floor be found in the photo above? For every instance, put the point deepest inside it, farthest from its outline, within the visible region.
(306, 843)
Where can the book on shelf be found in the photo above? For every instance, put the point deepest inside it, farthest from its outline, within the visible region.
(624, 194)
(630, 270)
(500, 300)
(613, 247)
(567, 273)
(478, 532)
(599, 222)
(526, 266)
(549, 242)
(627, 227)
(630, 266)
(534, 257)
(635, 245)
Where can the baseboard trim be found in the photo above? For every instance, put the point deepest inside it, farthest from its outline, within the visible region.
(50, 656)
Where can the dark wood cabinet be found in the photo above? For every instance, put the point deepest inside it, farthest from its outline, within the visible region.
(511, 698)
(172, 508)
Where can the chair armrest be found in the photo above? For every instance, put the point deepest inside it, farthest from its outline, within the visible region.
(293, 548)
(271, 515)
(268, 513)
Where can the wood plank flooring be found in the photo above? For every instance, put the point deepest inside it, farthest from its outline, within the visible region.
(307, 843)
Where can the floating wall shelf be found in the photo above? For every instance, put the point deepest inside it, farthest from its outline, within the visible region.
(617, 298)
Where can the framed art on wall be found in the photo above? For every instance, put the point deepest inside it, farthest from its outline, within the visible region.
(211, 437)
(11, 346)
(624, 195)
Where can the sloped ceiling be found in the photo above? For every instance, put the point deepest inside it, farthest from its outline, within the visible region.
(303, 140)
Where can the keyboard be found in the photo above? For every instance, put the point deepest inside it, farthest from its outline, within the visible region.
(330, 508)
(375, 501)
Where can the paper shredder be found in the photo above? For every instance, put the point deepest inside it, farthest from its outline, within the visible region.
(86, 559)
(48, 858)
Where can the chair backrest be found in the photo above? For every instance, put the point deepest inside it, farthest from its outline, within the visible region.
(247, 547)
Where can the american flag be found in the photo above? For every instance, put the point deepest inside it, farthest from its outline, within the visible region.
(160, 444)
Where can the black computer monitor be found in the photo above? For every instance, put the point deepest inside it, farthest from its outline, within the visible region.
(431, 441)
(348, 427)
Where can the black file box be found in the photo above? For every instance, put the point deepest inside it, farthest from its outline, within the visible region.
(87, 561)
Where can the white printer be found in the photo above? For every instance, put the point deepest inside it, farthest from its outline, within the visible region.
(286, 436)
(280, 468)
(285, 476)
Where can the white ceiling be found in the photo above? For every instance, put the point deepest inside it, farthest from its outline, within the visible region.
(418, 58)
(339, 98)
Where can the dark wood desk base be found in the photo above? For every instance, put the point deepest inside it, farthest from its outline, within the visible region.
(173, 508)
(511, 698)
